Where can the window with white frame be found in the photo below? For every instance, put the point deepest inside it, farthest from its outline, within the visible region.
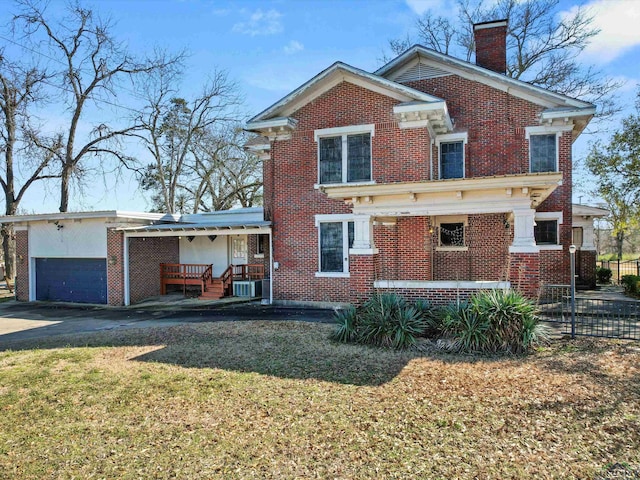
(543, 153)
(451, 232)
(452, 160)
(262, 244)
(451, 149)
(336, 238)
(546, 232)
(344, 154)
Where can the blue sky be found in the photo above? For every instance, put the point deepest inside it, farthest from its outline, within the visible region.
(271, 47)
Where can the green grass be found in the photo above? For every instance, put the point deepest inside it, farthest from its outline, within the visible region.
(279, 400)
(613, 257)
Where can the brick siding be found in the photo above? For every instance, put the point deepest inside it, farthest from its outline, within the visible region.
(115, 267)
(22, 265)
(145, 257)
(495, 122)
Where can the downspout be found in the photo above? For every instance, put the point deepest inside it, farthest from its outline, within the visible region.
(271, 267)
(431, 145)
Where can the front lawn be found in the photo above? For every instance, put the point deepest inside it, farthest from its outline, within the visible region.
(279, 400)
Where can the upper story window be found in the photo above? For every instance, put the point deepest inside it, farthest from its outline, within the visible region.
(543, 153)
(544, 141)
(452, 153)
(451, 160)
(344, 154)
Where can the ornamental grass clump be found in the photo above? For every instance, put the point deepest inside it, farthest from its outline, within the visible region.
(494, 321)
(385, 320)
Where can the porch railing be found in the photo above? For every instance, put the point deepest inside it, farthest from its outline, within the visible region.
(182, 274)
(251, 271)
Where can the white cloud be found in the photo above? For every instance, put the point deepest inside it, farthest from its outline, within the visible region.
(293, 47)
(421, 6)
(260, 23)
(618, 22)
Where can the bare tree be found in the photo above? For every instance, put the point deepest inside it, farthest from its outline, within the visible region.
(23, 163)
(94, 65)
(174, 128)
(223, 173)
(542, 49)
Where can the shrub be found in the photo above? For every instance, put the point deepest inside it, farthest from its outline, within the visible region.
(494, 321)
(603, 275)
(347, 320)
(384, 320)
(631, 284)
(431, 317)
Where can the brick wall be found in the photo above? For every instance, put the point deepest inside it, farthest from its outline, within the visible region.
(145, 257)
(22, 265)
(436, 296)
(115, 267)
(586, 267)
(252, 252)
(524, 273)
(497, 145)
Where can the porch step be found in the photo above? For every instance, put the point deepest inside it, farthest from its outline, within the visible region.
(214, 291)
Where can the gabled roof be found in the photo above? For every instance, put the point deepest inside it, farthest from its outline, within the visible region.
(329, 78)
(441, 64)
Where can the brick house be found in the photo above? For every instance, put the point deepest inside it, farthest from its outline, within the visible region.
(432, 177)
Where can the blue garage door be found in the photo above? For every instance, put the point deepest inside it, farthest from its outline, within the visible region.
(82, 280)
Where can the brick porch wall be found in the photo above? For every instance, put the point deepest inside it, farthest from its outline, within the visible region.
(115, 267)
(145, 257)
(22, 265)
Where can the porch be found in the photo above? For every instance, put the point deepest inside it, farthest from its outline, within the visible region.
(244, 276)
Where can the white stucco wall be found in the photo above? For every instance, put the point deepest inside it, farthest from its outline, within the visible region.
(76, 239)
(204, 251)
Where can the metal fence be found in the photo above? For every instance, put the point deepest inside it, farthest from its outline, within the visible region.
(595, 317)
(619, 269)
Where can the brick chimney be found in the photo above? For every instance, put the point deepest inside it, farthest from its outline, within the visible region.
(491, 45)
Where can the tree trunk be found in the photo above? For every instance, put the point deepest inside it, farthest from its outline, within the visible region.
(64, 188)
(9, 250)
(619, 241)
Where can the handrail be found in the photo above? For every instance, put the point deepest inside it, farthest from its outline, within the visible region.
(206, 277)
(249, 271)
(227, 279)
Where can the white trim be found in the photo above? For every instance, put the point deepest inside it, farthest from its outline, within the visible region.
(464, 220)
(524, 249)
(258, 255)
(482, 26)
(437, 285)
(319, 186)
(363, 251)
(348, 130)
(333, 217)
(451, 249)
(21, 228)
(333, 274)
(125, 270)
(546, 129)
(453, 138)
(557, 135)
(550, 216)
(550, 247)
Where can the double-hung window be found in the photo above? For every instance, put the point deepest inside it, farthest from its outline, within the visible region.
(543, 153)
(451, 160)
(451, 149)
(344, 154)
(336, 238)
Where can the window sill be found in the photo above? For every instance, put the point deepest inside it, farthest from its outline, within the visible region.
(318, 186)
(550, 247)
(452, 249)
(333, 274)
(259, 255)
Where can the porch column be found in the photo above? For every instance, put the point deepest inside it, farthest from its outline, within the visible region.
(363, 259)
(524, 240)
(524, 254)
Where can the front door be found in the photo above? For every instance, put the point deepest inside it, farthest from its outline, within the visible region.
(238, 249)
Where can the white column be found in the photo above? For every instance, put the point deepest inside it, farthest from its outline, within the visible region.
(125, 269)
(363, 235)
(523, 237)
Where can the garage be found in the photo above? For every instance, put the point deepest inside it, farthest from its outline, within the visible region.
(80, 280)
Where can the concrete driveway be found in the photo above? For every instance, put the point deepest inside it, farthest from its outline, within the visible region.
(20, 321)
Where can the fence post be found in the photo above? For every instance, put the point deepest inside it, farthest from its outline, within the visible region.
(638, 267)
(619, 272)
(572, 253)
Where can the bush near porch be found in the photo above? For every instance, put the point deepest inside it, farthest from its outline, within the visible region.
(491, 321)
